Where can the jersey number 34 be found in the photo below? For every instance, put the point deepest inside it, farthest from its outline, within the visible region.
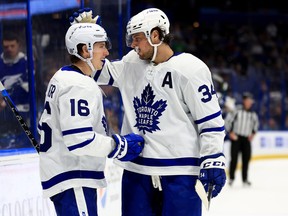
(206, 92)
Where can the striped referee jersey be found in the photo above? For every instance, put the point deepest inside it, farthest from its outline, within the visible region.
(242, 122)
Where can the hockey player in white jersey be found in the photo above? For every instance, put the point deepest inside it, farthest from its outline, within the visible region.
(73, 128)
(170, 99)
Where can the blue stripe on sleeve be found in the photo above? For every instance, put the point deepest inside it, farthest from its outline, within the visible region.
(97, 74)
(80, 174)
(111, 80)
(80, 145)
(217, 129)
(207, 118)
(76, 130)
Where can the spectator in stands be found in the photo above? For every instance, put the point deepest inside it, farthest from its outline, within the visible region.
(242, 125)
(14, 76)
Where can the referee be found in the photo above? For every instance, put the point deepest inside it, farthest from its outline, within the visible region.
(242, 125)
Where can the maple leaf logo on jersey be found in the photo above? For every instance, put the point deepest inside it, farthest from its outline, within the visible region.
(147, 111)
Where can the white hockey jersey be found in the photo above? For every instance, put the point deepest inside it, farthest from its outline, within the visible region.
(173, 105)
(73, 130)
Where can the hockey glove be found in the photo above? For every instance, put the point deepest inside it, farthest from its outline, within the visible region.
(212, 172)
(84, 16)
(127, 147)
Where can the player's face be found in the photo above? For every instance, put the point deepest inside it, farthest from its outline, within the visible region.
(100, 52)
(141, 45)
(10, 48)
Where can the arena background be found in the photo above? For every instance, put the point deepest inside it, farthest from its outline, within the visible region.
(244, 44)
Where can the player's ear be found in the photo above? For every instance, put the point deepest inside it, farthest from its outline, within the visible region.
(84, 51)
(155, 36)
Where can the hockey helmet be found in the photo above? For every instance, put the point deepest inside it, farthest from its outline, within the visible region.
(145, 21)
(85, 33)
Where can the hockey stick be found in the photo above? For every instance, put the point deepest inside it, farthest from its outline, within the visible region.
(209, 194)
(202, 193)
(205, 197)
(20, 119)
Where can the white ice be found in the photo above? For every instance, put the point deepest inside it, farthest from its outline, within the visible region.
(267, 196)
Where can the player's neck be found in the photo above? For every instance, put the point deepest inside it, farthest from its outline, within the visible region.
(84, 68)
(164, 53)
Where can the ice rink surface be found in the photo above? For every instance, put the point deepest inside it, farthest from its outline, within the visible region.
(267, 196)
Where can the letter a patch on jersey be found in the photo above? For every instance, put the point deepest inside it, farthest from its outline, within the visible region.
(147, 111)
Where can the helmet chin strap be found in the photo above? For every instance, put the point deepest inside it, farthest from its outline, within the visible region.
(91, 67)
(88, 61)
(155, 46)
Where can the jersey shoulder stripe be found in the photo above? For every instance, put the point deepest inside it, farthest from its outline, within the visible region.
(207, 118)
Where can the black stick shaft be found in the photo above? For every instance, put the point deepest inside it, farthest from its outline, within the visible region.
(20, 119)
(209, 196)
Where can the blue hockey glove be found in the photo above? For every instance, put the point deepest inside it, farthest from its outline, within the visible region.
(84, 16)
(212, 171)
(127, 147)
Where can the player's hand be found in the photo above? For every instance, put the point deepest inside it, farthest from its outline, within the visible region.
(233, 136)
(127, 147)
(84, 16)
(213, 172)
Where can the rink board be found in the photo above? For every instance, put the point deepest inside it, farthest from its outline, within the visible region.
(21, 193)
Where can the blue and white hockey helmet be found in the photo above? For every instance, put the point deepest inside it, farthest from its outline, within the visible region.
(85, 33)
(145, 21)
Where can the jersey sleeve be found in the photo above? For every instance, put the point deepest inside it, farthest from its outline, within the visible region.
(79, 117)
(110, 73)
(202, 100)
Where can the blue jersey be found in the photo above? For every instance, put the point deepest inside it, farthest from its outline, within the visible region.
(14, 77)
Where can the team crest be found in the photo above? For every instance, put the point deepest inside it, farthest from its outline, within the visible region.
(147, 111)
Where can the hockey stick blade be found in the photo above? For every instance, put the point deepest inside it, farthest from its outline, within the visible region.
(20, 119)
(202, 193)
(209, 194)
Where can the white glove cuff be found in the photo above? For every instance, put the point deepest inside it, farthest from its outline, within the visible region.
(209, 163)
(121, 148)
